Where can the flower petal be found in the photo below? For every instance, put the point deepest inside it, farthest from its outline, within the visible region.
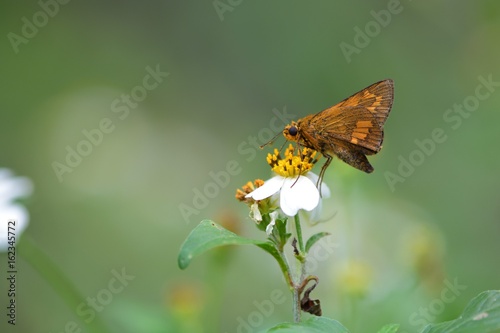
(270, 187)
(325, 190)
(12, 187)
(298, 194)
(270, 226)
(255, 212)
(16, 213)
(313, 217)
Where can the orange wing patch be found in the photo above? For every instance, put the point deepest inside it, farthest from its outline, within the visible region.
(351, 129)
(376, 103)
(361, 130)
(364, 124)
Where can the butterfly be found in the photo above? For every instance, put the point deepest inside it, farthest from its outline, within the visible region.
(350, 130)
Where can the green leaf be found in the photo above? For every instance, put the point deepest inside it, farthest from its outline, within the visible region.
(311, 325)
(389, 328)
(481, 315)
(208, 235)
(314, 238)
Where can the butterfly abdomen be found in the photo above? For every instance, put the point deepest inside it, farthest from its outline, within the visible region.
(353, 156)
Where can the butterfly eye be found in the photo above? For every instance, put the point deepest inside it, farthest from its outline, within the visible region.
(293, 131)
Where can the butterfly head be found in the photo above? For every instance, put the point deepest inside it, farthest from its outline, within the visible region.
(291, 132)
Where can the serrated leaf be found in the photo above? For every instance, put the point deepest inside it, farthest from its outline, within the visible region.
(314, 238)
(481, 315)
(208, 235)
(311, 325)
(389, 328)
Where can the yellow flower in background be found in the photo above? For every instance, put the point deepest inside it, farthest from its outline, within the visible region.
(424, 252)
(355, 278)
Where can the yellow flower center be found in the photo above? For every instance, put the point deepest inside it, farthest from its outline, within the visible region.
(292, 165)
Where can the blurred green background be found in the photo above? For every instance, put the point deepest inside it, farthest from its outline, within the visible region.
(392, 248)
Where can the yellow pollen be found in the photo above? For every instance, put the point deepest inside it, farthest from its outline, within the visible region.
(246, 189)
(292, 165)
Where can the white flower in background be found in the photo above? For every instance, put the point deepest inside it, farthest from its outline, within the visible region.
(294, 183)
(12, 188)
(270, 226)
(255, 212)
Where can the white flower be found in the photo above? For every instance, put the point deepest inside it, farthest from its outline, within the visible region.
(294, 185)
(270, 226)
(255, 212)
(12, 188)
(294, 192)
(314, 216)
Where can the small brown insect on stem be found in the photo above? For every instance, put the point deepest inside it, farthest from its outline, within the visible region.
(294, 245)
(313, 306)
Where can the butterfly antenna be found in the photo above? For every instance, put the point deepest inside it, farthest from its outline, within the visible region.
(283, 145)
(300, 153)
(270, 141)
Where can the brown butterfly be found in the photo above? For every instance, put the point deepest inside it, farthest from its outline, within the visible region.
(350, 129)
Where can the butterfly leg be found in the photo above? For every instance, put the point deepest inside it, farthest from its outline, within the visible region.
(296, 180)
(322, 172)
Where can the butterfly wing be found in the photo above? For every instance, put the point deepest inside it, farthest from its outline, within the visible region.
(377, 98)
(358, 120)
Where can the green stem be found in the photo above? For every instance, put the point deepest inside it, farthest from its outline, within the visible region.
(296, 304)
(287, 274)
(282, 262)
(63, 286)
(298, 228)
(301, 261)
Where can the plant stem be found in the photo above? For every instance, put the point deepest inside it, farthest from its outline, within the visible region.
(285, 268)
(296, 304)
(302, 269)
(298, 228)
(63, 286)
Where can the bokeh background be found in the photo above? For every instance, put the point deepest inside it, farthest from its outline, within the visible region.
(394, 250)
